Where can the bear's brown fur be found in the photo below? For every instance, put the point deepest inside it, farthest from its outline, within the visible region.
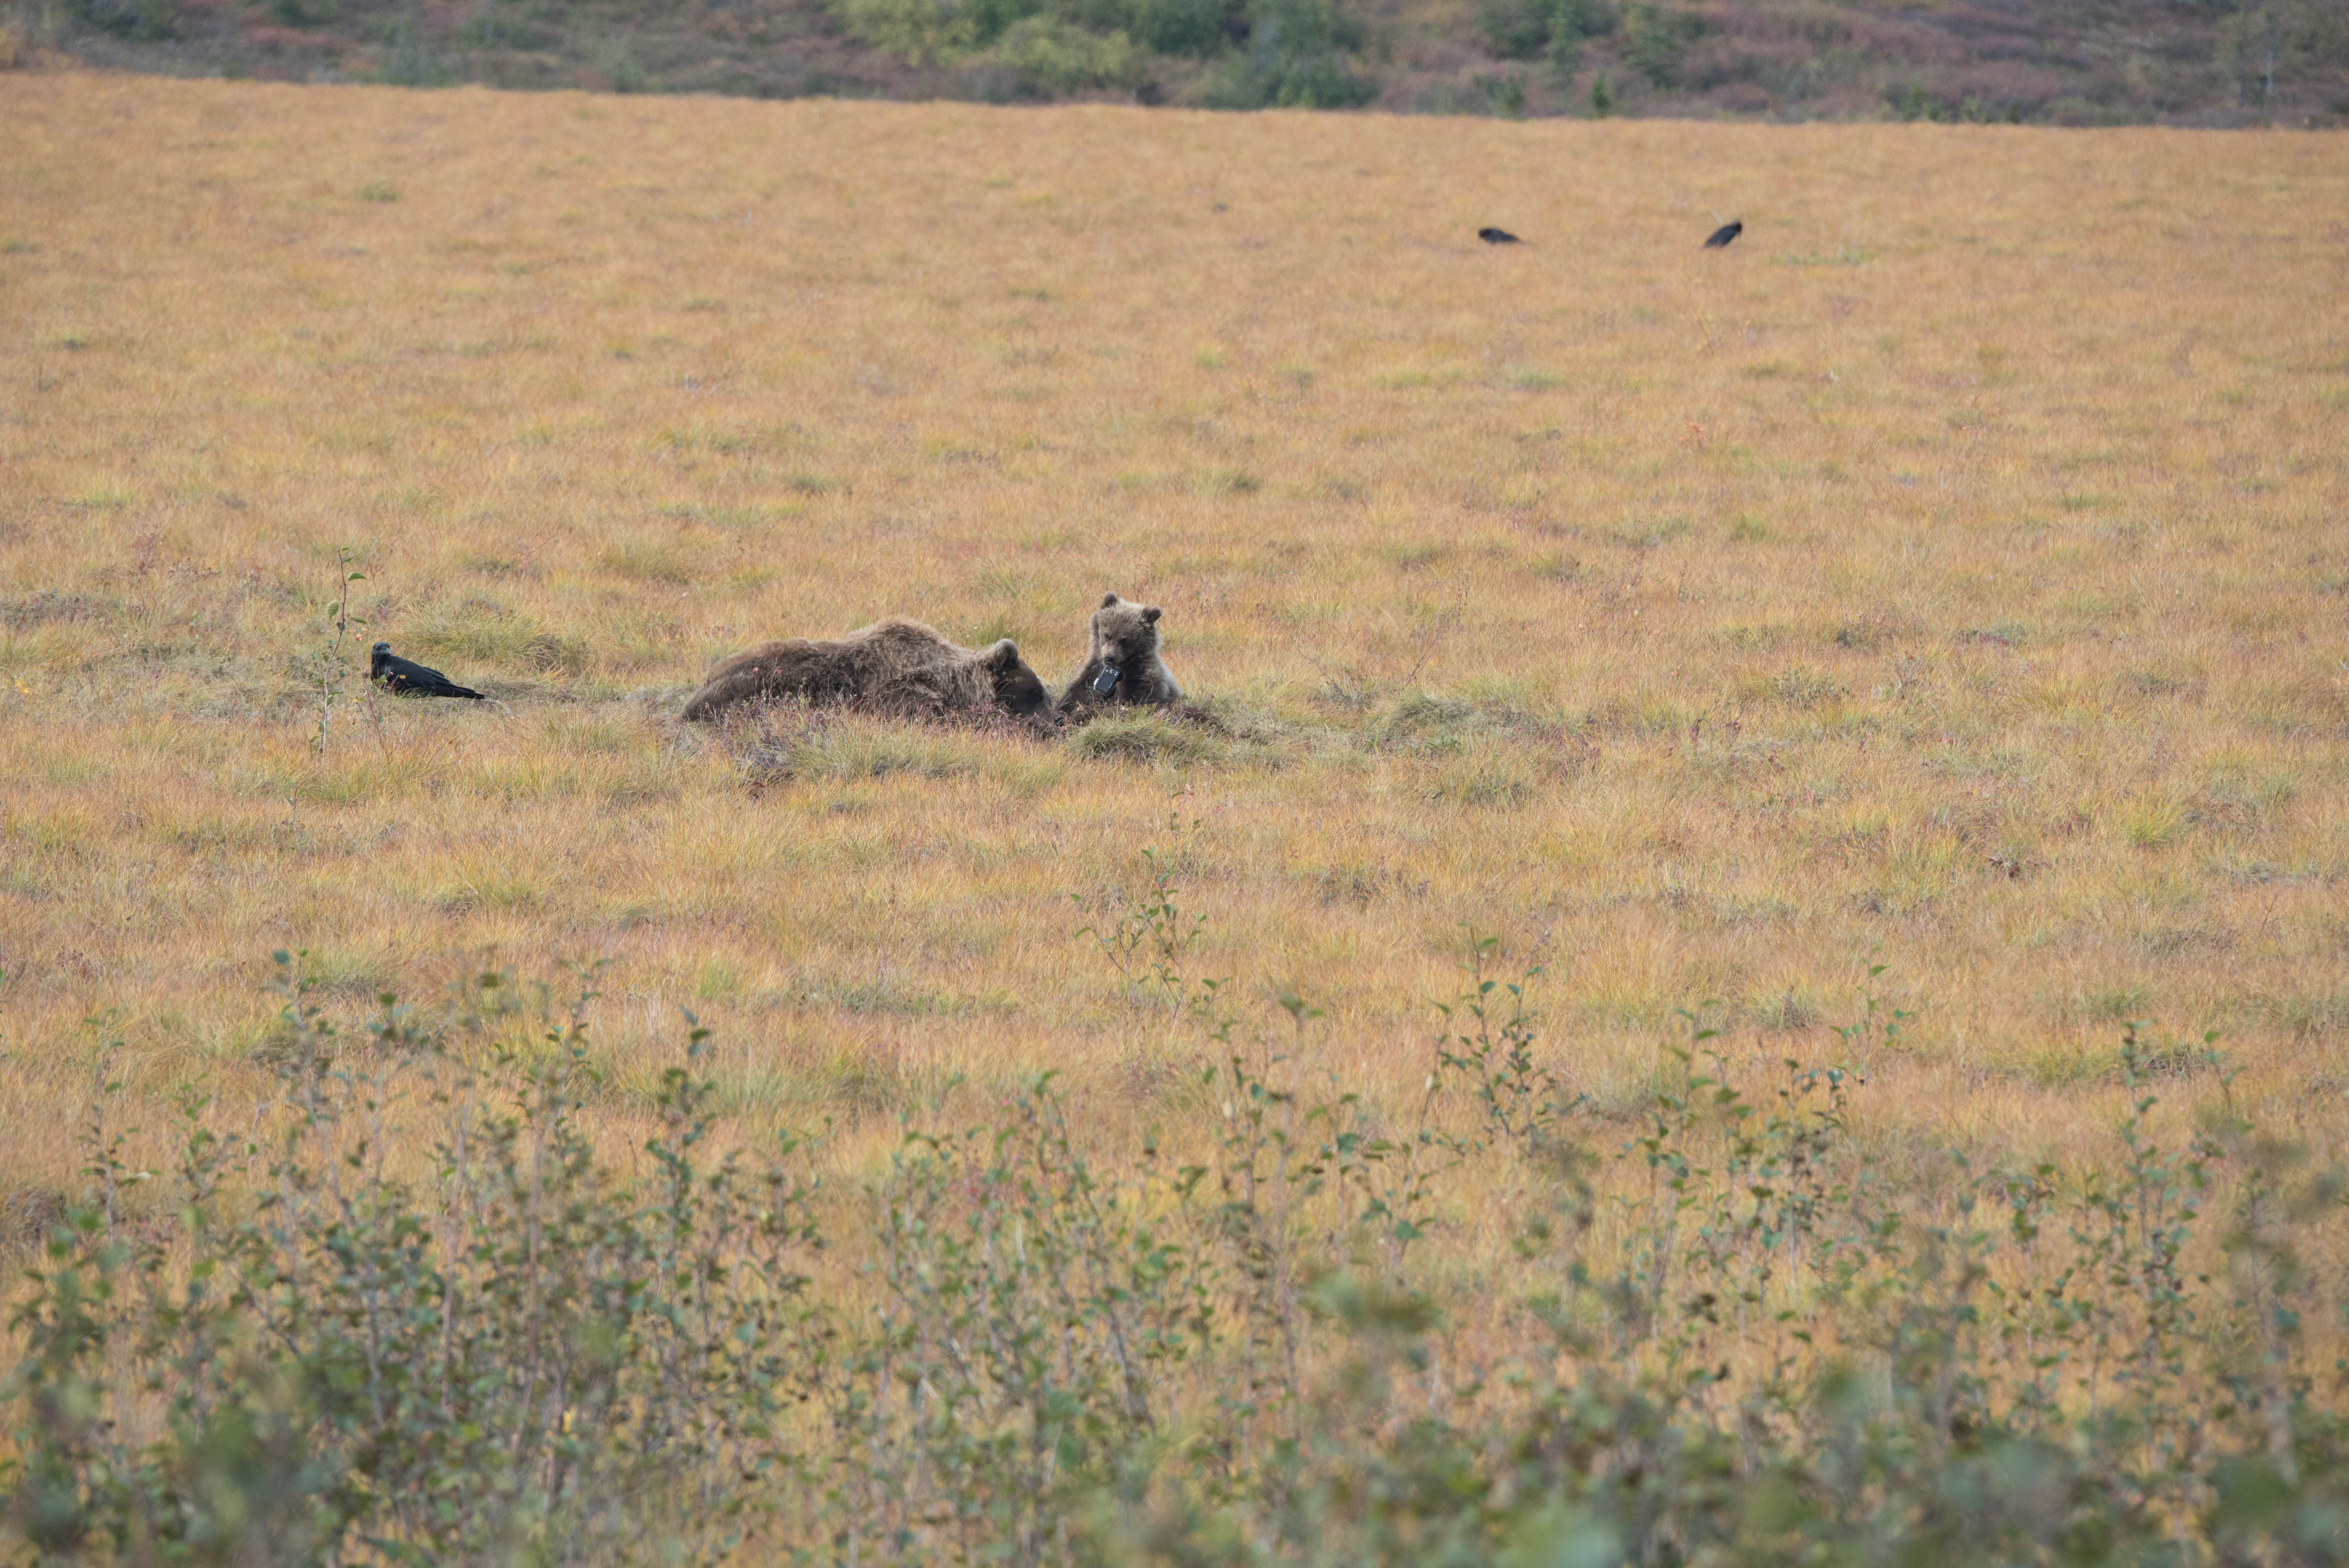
(894, 666)
(1124, 636)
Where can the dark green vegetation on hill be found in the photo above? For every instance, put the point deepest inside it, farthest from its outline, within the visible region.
(2193, 62)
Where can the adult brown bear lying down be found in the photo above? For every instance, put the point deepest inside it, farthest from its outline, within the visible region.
(894, 666)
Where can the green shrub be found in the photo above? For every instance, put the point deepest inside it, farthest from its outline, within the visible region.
(1656, 40)
(925, 32)
(1536, 29)
(141, 19)
(1720, 1336)
(1515, 29)
(407, 62)
(1049, 46)
(1049, 56)
(1293, 59)
(521, 1355)
(1174, 26)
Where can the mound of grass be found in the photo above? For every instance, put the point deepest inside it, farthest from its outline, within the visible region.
(1150, 736)
(1442, 723)
(483, 631)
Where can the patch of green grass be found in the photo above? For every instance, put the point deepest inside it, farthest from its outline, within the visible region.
(2056, 1064)
(1794, 1010)
(2154, 819)
(2116, 1004)
(884, 996)
(1413, 554)
(2311, 1013)
(1997, 634)
(646, 561)
(1427, 715)
(1489, 776)
(359, 974)
(1146, 737)
(490, 887)
(1752, 637)
(1799, 686)
(486, 632)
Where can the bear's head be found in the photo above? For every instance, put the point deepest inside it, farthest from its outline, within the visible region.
(1125, 633)
(1018, 691)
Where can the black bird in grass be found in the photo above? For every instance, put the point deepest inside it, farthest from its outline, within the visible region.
(1724, 234)
(1498, 237)
(404, 678)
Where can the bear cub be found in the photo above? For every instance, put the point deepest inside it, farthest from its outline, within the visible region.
(1121, 661)
(896, 666)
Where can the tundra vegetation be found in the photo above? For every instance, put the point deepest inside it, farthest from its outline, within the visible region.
(1887, 675)
(2063, 62)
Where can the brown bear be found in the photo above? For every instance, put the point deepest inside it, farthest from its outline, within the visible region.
(894, 666)
(1121, 664)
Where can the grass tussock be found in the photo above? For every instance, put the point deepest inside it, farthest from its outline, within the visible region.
(477, 630)
(1151, 737)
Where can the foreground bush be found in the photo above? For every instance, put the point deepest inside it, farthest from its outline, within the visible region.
(1718, 1342)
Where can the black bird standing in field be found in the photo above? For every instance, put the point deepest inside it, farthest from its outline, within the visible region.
(1498, 237)
(1726, 234)
(403, 677)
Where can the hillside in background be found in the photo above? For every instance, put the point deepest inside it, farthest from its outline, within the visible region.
(2183, 62)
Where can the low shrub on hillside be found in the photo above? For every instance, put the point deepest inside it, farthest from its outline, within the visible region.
(1535, 29)
(1048, 57)
(1253, 1339)
(942, 32)
(1295, 57)
(1288, 54)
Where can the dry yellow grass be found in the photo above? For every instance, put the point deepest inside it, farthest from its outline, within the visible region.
(1954, 570)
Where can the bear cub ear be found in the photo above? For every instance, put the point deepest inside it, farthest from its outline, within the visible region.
(1004, 654)
(1108, 599)
(1150, 612)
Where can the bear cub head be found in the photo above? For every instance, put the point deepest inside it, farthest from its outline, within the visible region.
(1018, 690)
(1125, 633)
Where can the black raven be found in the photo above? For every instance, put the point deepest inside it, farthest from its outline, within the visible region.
(1724, 234)
(1498, 237)
(404, 678)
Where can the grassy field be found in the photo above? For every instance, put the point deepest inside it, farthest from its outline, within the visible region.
(1951, 571)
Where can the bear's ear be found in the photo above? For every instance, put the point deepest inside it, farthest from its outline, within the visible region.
(1108, 599)
(1150, 612)
(1004, 654)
